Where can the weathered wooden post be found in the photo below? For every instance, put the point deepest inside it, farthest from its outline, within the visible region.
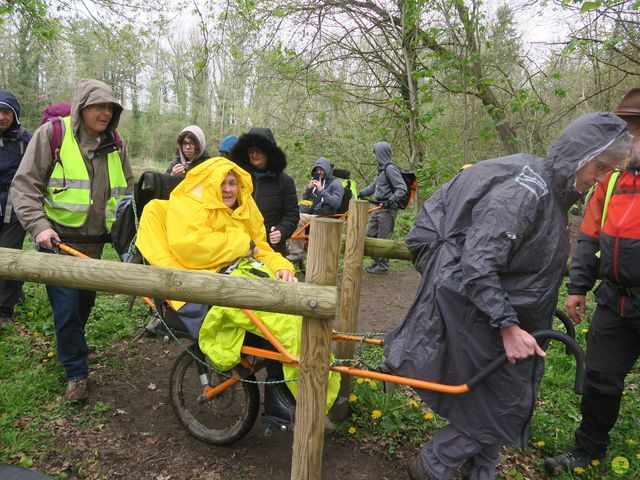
(315, 349)
(350, 297)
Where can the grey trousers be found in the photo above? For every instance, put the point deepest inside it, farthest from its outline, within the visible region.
(381, 224)
(450, 450)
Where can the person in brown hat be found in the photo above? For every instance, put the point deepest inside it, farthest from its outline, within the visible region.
(608, 243)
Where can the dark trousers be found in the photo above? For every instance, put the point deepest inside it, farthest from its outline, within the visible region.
(11, 236)
(613, 346)
(71, 309)
(450, 449)
(381, 225)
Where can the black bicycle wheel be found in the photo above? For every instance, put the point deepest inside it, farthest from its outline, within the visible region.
(221, 421)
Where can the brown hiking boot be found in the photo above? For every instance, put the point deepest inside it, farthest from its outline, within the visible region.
(77, 390)
(416, 470)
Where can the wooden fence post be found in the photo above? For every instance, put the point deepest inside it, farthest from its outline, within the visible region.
(315, 349)
(350, 297)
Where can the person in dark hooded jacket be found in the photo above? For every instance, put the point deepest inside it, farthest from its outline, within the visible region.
(13, 142)
(492, 246)
(273, 189)
(608, 248)
(387, 188)
(323, 196)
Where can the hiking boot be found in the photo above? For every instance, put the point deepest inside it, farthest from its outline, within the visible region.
(77, 390)
(571, 459)
(278, 401)
(416, 470)
(376, 270)
(6, 322)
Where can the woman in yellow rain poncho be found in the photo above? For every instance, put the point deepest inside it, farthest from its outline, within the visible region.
(209, 222)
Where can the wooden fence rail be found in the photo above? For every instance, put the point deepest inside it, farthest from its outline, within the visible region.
(199, 287)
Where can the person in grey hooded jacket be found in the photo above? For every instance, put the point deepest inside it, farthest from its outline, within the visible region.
(323, 196)
(387, 188)
(492, 246)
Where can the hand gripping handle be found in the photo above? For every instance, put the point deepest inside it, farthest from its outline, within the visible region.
(539, 335)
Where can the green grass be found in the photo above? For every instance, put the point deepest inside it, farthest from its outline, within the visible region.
(32, 382)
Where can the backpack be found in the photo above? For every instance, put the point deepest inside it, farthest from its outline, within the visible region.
(53, 113)
(350, 190)
(410, 180)
(152, 185)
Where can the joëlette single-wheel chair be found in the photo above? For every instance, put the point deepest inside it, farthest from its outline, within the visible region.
(220, 408)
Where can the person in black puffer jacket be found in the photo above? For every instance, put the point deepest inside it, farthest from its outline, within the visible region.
(273, 190)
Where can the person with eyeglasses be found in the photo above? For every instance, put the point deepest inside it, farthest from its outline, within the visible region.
(191, 151)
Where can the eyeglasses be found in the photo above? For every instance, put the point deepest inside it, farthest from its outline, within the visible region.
(188, 144)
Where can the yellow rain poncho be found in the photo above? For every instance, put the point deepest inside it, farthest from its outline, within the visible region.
(195, 230)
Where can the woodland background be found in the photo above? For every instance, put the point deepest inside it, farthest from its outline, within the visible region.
(446, 82)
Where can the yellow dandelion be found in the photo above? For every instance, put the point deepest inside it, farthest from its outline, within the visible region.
(584, 330)
(353, 397)
(595, 462)
(373, 385)
(540, 443)
(360, 380)
(638, 456)
(413, 403)
(376, 414)
(579, 470)
(29, 314)
(50, 354)
(428, 416)
(352, 430)
(630, 441)
(619, 465)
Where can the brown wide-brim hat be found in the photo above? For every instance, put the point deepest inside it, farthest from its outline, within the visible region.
(630, 104)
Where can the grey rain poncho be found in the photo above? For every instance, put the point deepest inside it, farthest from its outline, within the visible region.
(492, 246)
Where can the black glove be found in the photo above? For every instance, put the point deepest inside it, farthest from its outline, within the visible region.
(388, 204)
(360, 196)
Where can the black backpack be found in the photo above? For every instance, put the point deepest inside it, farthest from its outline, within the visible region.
(410, 180)
(124, 230)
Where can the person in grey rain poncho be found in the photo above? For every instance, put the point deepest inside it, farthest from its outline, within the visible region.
(492, 246)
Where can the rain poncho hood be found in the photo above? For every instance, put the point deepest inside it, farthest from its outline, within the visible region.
(195, 230)
(492, 246)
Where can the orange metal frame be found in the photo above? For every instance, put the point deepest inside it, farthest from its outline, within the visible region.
(282, 355)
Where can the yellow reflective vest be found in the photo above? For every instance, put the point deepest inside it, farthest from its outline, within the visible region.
(67, 197)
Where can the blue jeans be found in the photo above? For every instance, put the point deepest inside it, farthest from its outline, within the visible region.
(71, 308)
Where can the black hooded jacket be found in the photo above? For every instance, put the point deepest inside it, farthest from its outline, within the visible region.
(13, 141)
(273, 190)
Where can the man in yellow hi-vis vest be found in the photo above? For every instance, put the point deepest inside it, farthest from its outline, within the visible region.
(68, 192)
